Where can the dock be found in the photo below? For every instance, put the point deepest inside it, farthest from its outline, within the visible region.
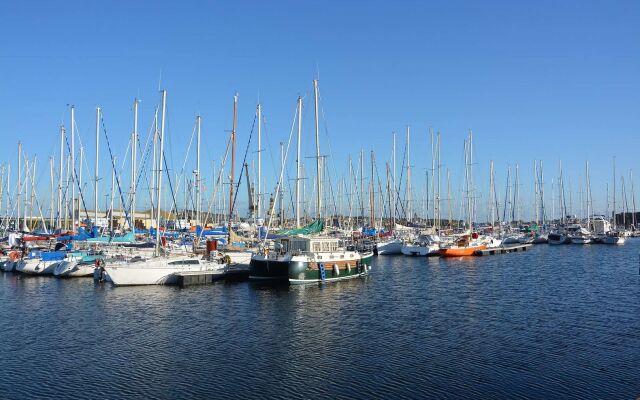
(502, 250)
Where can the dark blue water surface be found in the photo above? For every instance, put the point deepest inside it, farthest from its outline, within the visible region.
(554, 322)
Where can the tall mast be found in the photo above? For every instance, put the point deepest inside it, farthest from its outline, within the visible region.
(113, 186)
(449, 199)
(542, 211)
(198, 198)
(471, 190)
(433, 174)
(73, 170)
(134, 165)
(60, 173)
(535, 191)
(393, 193)
(318, 180)
(372, 195)
(51, 185)
(80, 194)
(362, 186)
(159, 186)
(233, 158)
(614, 192)
(409, 211)
(588, 195)
(298, 162)
(437, 194)
(633, 199)
(96, 178)
(491, 194)
(18, 225)
(259, 191)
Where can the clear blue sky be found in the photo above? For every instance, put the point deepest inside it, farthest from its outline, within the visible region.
(543, 80)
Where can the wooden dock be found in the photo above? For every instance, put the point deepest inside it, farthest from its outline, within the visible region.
(502, 250)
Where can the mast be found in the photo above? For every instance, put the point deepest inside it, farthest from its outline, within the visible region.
(96, 178)
(318, 180)
(409, 211)
(298, 161)
(73, 170)
(260, 161)
(51, 185)
(588, 196)
(113, 186)
(60, 173)
(18, 225)
(633, 199)
(362, 186)
(449, 199)
(233, 158)
(491, 194)
(80, 194)
(159, 185)
(470, 180)
(433, 175)
(134, 165)
(614, 192)
(437, 194)
(542, 211)
(394, 207)
(198, 198)
(372, 195)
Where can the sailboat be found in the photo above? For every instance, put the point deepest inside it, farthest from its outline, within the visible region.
(470, 242)
(310, 258)
(161, 268)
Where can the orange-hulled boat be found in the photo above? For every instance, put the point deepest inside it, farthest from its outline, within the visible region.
(463, 247)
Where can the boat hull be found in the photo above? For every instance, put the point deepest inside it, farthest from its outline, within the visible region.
(461, 251)
(69, 269)
(390, 247)
(335, 270)
(37, 267)
(261, 268)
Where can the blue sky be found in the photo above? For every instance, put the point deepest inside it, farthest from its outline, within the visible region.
(543, 80)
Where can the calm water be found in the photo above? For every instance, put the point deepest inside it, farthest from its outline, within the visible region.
(554, 322)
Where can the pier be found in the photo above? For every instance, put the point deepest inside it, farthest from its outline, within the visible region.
(502, 250)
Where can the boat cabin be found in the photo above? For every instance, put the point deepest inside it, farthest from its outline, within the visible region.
(309, 245)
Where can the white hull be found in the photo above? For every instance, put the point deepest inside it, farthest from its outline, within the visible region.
(580, 240)
(420, 251)
(611, 239)
(73, 269)
(37, 267)
(390, 247)
(158, 271)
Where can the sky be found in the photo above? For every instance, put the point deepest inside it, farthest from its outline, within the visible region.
(544, 80)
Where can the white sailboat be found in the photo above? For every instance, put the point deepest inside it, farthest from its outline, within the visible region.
(161, 268)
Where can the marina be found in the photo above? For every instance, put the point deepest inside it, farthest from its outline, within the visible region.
(520, 313)
(327, 200)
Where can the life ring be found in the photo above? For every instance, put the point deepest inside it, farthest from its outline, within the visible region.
(14, 255)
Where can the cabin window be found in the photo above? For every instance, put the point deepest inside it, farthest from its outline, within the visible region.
(316, 247)
(319, 257)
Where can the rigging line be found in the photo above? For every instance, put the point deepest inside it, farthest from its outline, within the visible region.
(216, 187)
(117, 178)
(246, 152)
(280, 177)
(80, 191)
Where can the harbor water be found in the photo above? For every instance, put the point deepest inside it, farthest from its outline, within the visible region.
(552, 322)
